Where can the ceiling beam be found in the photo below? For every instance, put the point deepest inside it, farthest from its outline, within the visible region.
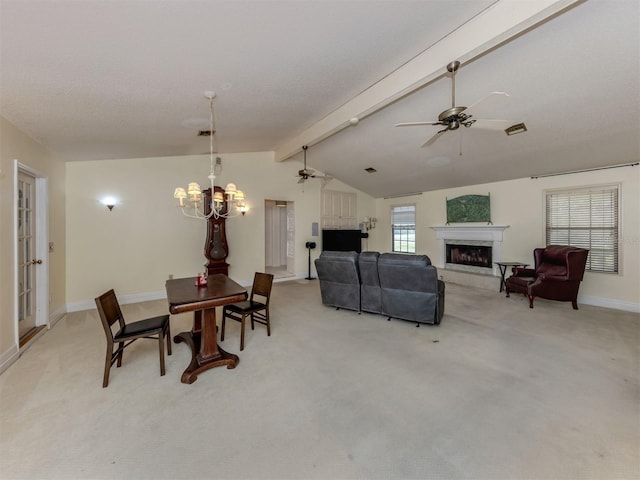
(499, 23)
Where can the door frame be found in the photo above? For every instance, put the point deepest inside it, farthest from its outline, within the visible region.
(41, 245)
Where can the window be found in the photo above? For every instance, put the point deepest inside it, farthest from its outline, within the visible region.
(403, 228)
(587, 218)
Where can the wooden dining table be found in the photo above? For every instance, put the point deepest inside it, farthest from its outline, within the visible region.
(184, 295)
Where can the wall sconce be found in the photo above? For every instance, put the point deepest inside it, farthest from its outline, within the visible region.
(109, 202)
(369, 223)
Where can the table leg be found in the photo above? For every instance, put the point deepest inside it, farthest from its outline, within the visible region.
(205, 353)
(503, 272)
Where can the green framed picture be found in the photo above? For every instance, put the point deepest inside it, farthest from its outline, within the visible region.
(469, 208)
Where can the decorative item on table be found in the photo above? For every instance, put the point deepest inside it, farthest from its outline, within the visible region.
(202, 279)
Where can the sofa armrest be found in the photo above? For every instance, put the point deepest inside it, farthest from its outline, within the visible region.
(523, 272)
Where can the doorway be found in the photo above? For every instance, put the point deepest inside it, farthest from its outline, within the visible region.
(31, 247)
(279, 238)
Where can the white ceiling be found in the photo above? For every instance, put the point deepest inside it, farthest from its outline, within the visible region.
(104, 79)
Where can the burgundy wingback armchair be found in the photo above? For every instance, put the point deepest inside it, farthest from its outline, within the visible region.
(557, 275)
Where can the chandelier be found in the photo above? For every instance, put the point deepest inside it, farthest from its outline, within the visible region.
(226, 203)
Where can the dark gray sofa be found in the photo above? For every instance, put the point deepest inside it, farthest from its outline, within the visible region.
(410, 288)
(370, 294)
(395, 285)
(339, 279)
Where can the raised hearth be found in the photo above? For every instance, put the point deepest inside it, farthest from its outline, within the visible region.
(476, 247)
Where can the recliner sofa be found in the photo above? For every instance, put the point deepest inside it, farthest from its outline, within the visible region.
(339, 279)
(396, 285)
(370, 293)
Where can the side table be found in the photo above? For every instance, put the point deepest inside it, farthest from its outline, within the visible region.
(503, 270)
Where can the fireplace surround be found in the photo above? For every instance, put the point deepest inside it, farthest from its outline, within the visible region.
(472, 237)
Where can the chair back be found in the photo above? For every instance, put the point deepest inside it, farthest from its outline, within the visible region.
(561, 261)
(109, 310)
(262, 283)
(410, 288)
(339, 277)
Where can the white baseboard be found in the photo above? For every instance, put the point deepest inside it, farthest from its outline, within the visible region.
(8, 357)
(56, 315)
(609, 303)
(122, 299)
(157, 295)
(162, 294)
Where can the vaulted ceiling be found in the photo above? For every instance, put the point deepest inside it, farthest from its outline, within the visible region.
(101, 80)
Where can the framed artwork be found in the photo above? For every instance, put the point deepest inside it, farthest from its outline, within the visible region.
(469, 208)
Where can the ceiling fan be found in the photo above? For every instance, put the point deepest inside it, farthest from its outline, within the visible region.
(453, 117)
(307, 173)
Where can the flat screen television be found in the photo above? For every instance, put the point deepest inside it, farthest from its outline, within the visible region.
(342, 240)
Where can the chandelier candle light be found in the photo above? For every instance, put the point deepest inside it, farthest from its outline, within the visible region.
(189, 201)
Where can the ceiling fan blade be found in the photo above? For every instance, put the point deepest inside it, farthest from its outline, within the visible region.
(413, 124)
(494, 99)
(492, 124)
(433, 138)
(301, 180)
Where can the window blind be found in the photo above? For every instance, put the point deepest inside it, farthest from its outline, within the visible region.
(403, 216)
(403, 228)
(587, 218)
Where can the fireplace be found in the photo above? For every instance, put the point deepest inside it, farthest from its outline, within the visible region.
(470, 248)
(471, 255)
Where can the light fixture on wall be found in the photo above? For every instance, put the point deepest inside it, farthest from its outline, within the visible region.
(109, 202)
(191, 201)
(369, 223)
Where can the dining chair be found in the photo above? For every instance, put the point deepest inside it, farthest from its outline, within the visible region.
(154, 328)
(256, 309)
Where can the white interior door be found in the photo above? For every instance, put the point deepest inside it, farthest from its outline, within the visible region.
(279, 237)
(26, 260)
(290, 232)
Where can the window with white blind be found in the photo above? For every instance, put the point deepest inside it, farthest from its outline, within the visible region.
(403, 228)
(588, 218)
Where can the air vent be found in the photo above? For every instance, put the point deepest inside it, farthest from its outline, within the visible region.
(370, 170)
(204, 133)
(514, 129)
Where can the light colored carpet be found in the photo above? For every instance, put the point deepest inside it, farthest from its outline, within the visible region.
(497, 391)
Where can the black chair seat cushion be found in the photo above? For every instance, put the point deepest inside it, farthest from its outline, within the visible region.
(247, 306)
(149, 326)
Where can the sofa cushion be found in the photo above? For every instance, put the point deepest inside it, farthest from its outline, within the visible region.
(339, 279)
(370, 296)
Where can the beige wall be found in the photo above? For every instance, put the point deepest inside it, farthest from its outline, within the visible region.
(15, 145)
(135, 247)
(520, 204)
(143, 240)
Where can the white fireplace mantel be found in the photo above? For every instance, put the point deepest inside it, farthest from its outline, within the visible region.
(487, 233)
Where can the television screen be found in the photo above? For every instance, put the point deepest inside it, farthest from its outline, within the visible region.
(342, 240)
